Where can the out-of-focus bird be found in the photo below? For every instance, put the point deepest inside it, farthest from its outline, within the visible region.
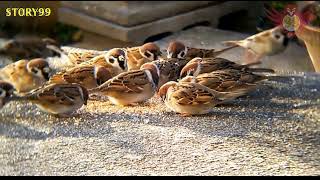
(6, 92)
(29, 47)
(300, 27)
(205, 65)
(192, 98)
(139, 55)
(266, 43)
(177, 49)
(80, 55)
(57, 99)
(88, 76)
(227, 80)
(114, 60)
(131, 87)
(26, 75)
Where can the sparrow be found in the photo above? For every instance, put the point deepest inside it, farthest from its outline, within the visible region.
(311, 37)
(189, 98)
(80, 55)
(139, 55)
(265, 43)
(88, 76)
(131, 87)
(29, 47)
(169, 69)
(227, 80)
(26, 75)
(205, 65)
(6, 91)
(114, 60)
(57, 99)
(177, 49)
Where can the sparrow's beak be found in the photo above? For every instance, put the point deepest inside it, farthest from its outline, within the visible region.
(188, 69)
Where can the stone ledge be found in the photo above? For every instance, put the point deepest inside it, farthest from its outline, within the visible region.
(141, 32)
(131, 13)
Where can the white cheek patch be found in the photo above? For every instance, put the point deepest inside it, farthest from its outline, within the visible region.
(46, 70)
(151, 56)
(169, 55)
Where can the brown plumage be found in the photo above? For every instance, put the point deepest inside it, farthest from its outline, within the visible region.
(57, 99)
(26, 75)
(177, 49)
(137, 56)
(131, 87)
(227, 80)
(205, 65)
(88, 76)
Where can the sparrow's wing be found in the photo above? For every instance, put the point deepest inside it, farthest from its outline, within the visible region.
(132, 81)
(62, 94)
(311, 37)
(189, 94)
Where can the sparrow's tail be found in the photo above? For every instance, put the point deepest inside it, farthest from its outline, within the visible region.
(233, 43)
(225, 49)
(262, 70)
(228, 96)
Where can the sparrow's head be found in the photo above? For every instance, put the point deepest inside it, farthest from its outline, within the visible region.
(154, 72)
(192, 68)
(6, 91)
(101, 74)
(150, 51)
(176, 49)
(40, 68)
(279, 36)
(164, 89)
(117, 57)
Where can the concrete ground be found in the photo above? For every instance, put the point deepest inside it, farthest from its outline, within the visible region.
(272, 131)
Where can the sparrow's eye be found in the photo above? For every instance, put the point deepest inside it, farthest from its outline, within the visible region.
(34, 70)
(147, 54)
(111, 60)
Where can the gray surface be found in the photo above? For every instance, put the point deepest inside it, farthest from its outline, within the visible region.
(131, 13)
(139, 33)
(273, 131)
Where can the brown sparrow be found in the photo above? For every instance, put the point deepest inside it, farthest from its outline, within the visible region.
(311, 37)
(28, 47)
(131, 87)
(57, 99)
(205, 65)
(227, 80)
(177, 49)
(114, 60)
(266, 43)
(26, 75)
(137, 56)
(88, 76)
(193, 98)
(79, 55)
(169, 69)
(6, 91)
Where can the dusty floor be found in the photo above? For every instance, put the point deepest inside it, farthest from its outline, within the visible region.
(273, 131)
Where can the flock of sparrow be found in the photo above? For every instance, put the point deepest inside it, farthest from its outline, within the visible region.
(189, 80)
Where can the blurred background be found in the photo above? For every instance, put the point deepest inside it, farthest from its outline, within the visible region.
(104, 25)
